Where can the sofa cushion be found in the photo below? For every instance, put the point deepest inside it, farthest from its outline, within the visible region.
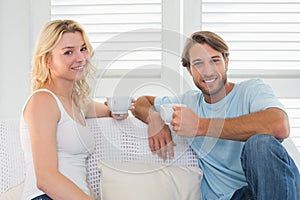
(13, 193)
(149, 181)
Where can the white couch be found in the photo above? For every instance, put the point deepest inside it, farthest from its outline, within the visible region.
(122, 159)
(120, 141)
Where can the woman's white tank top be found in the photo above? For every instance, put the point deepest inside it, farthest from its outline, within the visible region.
(74, 144)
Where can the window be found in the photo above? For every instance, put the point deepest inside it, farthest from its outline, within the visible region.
(263, 35)
(129, 38)
(124, 34)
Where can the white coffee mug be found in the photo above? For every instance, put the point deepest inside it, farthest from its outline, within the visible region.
(119, 104)
(166, 111)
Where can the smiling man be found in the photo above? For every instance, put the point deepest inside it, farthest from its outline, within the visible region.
(234, 128)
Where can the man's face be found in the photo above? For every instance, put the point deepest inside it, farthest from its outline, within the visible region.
(208, 69)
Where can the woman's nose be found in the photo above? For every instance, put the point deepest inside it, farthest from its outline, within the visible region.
(80, 56)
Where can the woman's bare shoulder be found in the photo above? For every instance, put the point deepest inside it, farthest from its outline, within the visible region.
(41, 104)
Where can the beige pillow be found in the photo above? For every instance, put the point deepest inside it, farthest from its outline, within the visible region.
(136, 181)
(13, 193)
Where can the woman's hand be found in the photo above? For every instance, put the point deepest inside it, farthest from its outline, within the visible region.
(123, 115)
(119, 116)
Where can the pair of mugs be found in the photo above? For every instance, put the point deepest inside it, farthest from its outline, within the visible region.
(120, 105)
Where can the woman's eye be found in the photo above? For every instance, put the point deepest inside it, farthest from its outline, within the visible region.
(68, 53)
(83, 49)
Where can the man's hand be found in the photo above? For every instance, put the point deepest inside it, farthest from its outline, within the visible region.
(186, 122)
(160, 139)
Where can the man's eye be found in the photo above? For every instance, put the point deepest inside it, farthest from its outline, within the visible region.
(68, 53)
(198, 64)
(215, 60)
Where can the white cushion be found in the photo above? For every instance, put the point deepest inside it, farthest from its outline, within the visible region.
(13, 193)
(137, 181)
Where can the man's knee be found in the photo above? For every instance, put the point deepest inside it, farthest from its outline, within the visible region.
(262, 145)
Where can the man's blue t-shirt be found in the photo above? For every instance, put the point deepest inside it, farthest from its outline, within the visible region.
(219, 159)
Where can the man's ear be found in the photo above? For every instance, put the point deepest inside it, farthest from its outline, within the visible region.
(189, 70)
(226, 63)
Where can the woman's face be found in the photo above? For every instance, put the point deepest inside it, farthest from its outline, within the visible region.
(69, 58)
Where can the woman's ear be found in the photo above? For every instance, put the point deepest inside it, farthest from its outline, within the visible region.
(48, 62)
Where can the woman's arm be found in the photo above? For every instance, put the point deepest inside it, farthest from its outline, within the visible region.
(96, 109)
(42, 123)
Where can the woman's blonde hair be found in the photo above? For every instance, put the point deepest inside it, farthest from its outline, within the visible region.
(49, 37)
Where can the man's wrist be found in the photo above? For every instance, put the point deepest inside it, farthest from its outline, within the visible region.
(153, 116)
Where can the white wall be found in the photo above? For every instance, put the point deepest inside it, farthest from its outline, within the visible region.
(15, 53)
(14, 56)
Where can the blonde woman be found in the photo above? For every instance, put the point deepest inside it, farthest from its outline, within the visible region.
(55, 139)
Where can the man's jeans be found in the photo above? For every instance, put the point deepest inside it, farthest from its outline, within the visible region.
(42, 197)
(270, 172)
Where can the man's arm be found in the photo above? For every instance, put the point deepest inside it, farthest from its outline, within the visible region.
(160, 140)
(143, 107)
(272, 121)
